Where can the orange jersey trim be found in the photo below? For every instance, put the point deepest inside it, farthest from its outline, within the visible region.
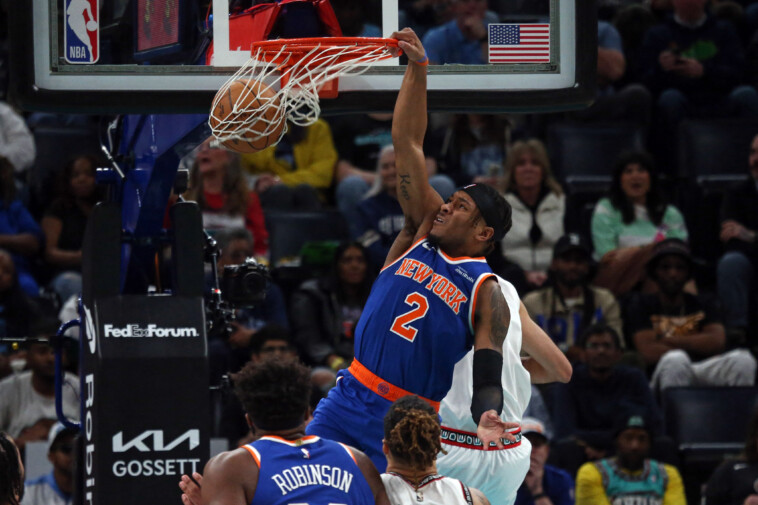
(254, 454)
(404, 253)
(462, 258)
(381, 386)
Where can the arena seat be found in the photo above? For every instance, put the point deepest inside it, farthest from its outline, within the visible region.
(707, 424)
(714, 152)
(582, 155)
(289, 231)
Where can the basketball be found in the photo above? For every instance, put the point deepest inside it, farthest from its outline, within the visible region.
(91, 25)
(249, 110)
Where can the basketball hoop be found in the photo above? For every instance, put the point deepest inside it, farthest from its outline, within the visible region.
(308, 69)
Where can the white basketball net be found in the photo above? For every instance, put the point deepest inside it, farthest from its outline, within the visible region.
(297, 101)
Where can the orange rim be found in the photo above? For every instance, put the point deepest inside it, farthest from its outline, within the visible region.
(277, 50)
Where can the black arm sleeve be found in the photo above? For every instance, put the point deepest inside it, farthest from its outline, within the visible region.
(488, 388)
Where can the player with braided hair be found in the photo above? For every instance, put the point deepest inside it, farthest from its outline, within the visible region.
(411, 443)
(11, 472)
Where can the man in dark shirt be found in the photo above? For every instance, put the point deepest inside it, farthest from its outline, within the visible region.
(738, 267)
(681, 335)
(601, 392)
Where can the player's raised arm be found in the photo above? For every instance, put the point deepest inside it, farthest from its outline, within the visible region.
(492, 318)
(419, 201)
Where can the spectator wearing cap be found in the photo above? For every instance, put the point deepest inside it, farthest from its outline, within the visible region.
(600, 392)
(680, 335)
(569, 304)
(544, 484)
(630, 476)
(56, 487)
(27, 399)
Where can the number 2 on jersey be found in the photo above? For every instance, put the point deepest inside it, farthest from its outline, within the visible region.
(401, 324)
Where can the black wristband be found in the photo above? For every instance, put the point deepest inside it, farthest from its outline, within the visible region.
(488, 388)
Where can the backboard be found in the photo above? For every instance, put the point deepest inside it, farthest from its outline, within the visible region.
(158, 56)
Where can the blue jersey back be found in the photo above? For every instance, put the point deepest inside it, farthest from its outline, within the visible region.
(308, 470)
(417, 323)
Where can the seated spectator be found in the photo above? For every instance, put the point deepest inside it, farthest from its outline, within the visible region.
(601, 391)
(16, 141)
(543, 483)
(324, 312)
(364, 142)
(379, 218)
(631, 102)
(472, 148)
(538, 205)
(219, 188)
(733, 482)
(462, 39)
(27, 399)
(631, 476)
(569, 305)
(231, 351)
(57, 486)
(11, 471)
(20, 235)
(17, 310)
(738, 267)
(694, 63)
(627, 224)
(680, 335)
(295, 173)
(64, 223)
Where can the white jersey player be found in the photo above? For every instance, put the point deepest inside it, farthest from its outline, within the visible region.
(498, 473)
(411, 444)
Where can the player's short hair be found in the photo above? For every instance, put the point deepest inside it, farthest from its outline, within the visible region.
(11, 479)
(412, 432)
(275, 392)
(600, 329)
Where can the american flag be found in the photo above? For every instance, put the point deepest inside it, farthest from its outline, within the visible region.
(523, 43)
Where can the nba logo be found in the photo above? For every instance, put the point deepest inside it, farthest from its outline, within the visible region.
(81, 31)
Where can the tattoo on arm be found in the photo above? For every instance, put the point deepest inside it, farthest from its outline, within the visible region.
(405, 181)
(500, 319)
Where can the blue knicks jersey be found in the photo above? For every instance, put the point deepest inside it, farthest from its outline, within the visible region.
(418, 321)
(307, 470)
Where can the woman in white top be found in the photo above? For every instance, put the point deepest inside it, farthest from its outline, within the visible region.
(411, 443)
(539, 207)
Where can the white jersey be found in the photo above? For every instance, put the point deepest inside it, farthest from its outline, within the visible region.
(433, 490)
(455, 409)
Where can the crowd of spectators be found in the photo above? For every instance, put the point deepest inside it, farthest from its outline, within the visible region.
(623, 295)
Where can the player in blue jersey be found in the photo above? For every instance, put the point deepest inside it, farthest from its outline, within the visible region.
(435, 298)
(284, 466)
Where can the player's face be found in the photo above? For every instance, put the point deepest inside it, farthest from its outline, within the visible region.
(571, 268)
(7, 271)
(455, 221)
(211, 158)
(672, 272)
(82, 178)
(528, 173)
(635, 182)
(600, 352)
(387, 171)
(632, 447)
(753, 159)
(352, 266)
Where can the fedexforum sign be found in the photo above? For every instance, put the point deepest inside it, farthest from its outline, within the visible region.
(149, 331)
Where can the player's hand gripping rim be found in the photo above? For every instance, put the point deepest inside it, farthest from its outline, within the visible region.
(408, 41)
(493, 429)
